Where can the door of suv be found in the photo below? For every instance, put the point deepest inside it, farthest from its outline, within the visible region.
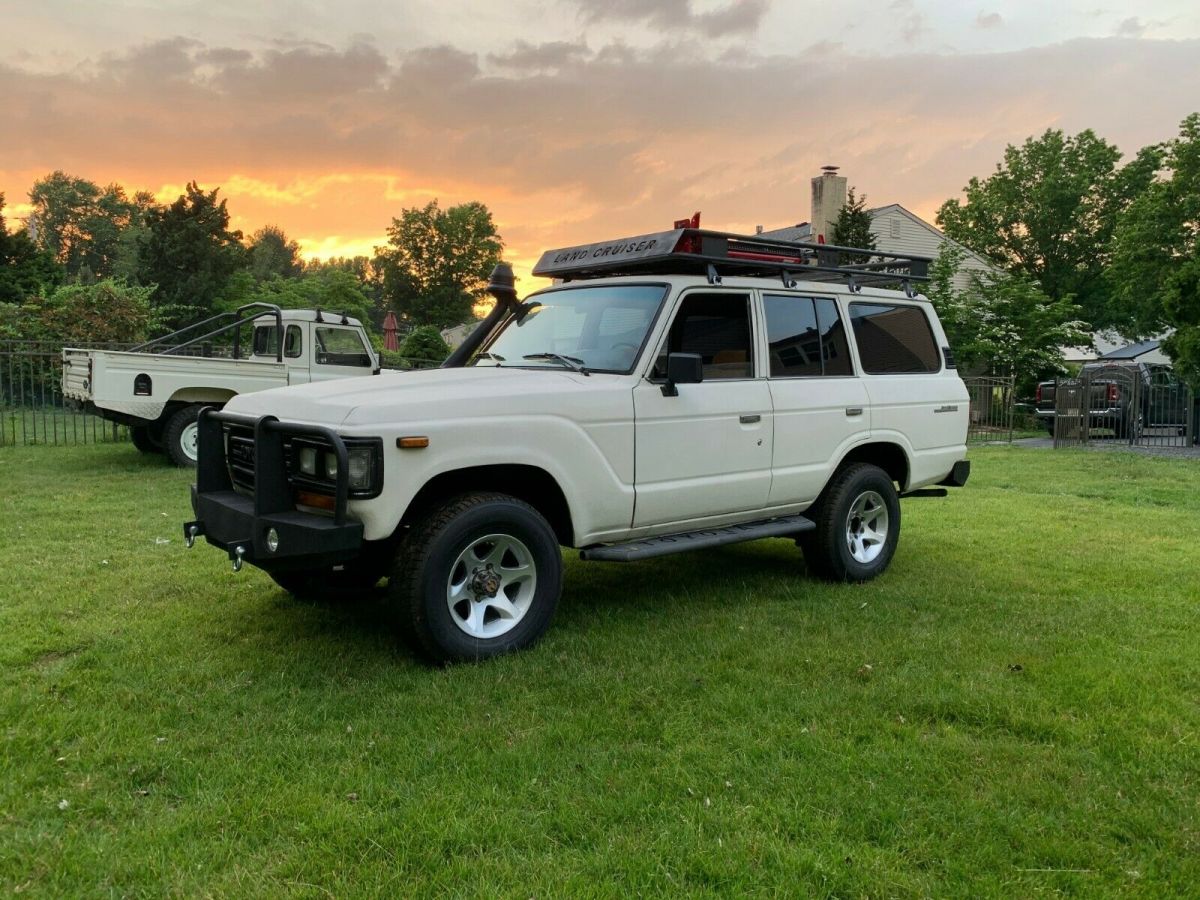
(707, 451)
(821, 408)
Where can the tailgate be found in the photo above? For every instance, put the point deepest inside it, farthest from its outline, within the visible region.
(77, 374)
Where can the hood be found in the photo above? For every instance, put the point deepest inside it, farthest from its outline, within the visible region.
(417, 395)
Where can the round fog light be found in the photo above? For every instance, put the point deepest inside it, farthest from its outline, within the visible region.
(272, 540)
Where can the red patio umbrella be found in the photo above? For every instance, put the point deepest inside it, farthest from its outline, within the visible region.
(389, 332)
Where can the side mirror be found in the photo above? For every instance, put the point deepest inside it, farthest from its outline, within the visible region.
(682, 368)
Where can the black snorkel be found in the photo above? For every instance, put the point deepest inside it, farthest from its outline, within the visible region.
(502, 286)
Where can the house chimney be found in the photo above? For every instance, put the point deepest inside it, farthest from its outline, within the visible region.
(828, 197)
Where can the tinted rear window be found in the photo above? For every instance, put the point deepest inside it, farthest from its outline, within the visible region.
(894, 339)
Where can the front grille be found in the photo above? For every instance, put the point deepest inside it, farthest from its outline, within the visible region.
(239, 451)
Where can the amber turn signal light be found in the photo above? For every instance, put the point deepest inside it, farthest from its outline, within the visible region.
(416, 442)
(319, 501)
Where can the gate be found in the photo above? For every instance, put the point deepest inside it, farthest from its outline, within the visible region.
(1142, 406)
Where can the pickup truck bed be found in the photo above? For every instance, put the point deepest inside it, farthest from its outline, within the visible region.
(107, 381)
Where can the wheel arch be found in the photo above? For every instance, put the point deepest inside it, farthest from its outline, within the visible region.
(190, 395)
(887, 455)
(533, 484)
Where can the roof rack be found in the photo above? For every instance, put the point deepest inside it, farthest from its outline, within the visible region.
(716, 253)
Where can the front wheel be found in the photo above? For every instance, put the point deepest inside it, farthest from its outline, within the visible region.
(476, 577)
(858, 525)
(180, 436)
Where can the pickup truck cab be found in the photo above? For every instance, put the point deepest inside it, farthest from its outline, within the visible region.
(672, 392)
(158, 388)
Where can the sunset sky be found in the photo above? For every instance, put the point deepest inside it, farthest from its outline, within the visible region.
(573, 120)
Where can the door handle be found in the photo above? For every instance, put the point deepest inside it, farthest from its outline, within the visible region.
(854, 410)
(750, 420)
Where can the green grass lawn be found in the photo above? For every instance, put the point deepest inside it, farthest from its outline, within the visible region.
(1013, 709)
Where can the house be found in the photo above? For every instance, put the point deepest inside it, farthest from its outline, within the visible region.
(896, 229)
(1143, 351)
(457, 334)
(1108, 346)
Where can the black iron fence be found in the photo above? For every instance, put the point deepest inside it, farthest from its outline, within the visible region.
(995, 416)
(32, 407)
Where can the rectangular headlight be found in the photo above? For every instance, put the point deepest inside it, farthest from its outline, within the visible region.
(308, 460)
(362, 465)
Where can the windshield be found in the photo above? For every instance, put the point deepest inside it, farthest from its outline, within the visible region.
(601, 328)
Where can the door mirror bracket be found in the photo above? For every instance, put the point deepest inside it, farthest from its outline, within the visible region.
(682, 368)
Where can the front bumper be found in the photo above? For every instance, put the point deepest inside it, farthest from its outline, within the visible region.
(247, 528)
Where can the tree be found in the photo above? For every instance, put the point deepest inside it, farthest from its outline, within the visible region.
(79, 222)
(272, 253)
(436, 263)
(1003, 324)
(1048, 213)
(852, 228)
(109, 310)
(190, 254)
(333, 291)
(1155, 272)
(24, 269)
(425, 343)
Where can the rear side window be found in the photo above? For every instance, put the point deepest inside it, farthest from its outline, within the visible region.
(266, 341)
(806, 337)
(894, 339)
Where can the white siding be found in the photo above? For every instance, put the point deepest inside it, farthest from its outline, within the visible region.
(897, 232)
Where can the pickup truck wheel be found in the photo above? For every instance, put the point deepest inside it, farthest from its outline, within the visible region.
(142, 440)
(179, 437)
(858, 525)
(477, 577)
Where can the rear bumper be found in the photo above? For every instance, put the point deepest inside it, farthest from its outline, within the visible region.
(958, 475)
(247, 527)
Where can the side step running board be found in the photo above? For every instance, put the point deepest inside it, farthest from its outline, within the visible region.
(785, 526)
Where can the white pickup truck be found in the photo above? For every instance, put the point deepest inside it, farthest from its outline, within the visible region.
(671, 392)
(158, 388)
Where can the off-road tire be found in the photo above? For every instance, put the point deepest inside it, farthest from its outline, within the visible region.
(177, 429)
(141, 438)
(434, 544)
(827, 551)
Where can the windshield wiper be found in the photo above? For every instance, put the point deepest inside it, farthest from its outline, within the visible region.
(486, 355)
(571, 362)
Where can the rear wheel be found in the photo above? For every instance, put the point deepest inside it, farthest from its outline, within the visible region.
(143, 440)
(858, 525)
(180, 436)
(476, 577)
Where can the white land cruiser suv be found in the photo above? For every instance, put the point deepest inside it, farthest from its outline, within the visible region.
(670, 392)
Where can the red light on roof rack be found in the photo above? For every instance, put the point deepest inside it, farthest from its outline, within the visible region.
(693, 222)
(688, 243)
